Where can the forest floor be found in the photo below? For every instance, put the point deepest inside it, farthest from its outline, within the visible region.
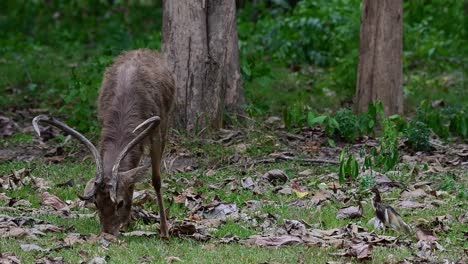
(251, 194)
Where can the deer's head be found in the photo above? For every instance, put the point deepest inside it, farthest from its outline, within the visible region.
(111, 190)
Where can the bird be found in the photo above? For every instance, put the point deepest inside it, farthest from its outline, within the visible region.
(387, 215)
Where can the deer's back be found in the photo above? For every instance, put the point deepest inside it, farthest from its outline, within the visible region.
(137, 85)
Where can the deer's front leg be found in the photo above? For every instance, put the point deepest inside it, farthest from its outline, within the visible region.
(157, 148)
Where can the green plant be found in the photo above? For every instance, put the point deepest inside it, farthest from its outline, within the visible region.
(366, 181)
(349, 167)
(458, 120)
(348, 124)
(418, 135)
(386, 156)
(293, 115)
(445, 122)
(448, 183)
(433, 119)
(80, 104)
(368, 119)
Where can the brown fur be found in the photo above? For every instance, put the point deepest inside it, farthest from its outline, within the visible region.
(136, 86)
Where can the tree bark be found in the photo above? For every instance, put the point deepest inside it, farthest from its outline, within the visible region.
(200, 42)
(380, 67)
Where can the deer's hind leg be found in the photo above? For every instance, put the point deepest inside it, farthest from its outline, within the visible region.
(156, 152)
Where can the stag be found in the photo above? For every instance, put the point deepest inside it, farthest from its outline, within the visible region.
(134, 104)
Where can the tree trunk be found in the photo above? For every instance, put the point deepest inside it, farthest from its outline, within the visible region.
(380, 67)
(200, 42)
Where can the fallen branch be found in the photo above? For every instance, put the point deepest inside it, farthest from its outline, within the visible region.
(306, 160)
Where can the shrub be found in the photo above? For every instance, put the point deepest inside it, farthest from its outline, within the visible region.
(418, 135)
(348, 124)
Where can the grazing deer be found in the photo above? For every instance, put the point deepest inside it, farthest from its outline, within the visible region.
(135, 96)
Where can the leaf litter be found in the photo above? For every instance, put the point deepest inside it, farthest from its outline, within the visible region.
(204, 217)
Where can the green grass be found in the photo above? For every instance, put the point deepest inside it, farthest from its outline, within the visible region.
(130, 250)
(57, 64)
(17, 139)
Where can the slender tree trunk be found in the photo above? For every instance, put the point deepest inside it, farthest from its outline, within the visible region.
(200, 41)
(380, 67)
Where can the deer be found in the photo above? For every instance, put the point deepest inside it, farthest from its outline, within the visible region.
(134, 104)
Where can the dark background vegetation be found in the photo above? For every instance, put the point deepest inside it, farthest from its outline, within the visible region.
(297, 57)
(299, 62)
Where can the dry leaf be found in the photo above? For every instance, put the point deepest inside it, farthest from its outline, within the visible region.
(172, 259)
(320, 196)
(273, 241)
(410, 204)
(140, 234)
(184, 229)
(4, 197)
(349, 212)
(210, 246)
(50, 260)
(9, 258)
(53, 201)
(248, 183)
(222, 211)
(74, 238)
(426, 235)
(300, 194)
(98, 260)
(360, 251)
(40, 183)
(7, 127)
(299, 190)
(306, 173)
(275, 177)
(48, 228)
(463, 218)
(283, 190)
(32, 247)
(413, 194)
(240, 148)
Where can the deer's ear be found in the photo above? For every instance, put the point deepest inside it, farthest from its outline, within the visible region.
(134, 175)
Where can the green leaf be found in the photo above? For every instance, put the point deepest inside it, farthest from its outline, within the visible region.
(342, 155)
(379, 109)
(341, 173)
(319, 119)
(367, 163)
(310, 118)
(354, 168)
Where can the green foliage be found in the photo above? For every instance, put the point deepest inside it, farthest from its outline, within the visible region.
(348, 124)
(387, 155)
(427, 35)
(418, 135)
(445, 122)
(54, 52)
(272, 35)
(459, 124)
(293, 115)
(280, 30)
(349, 167)
(366, 181)
(448, 183)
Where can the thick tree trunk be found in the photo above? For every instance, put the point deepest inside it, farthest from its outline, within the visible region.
(200, 41)
(380, 56)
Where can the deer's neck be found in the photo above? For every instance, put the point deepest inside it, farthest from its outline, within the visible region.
(117, 132)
